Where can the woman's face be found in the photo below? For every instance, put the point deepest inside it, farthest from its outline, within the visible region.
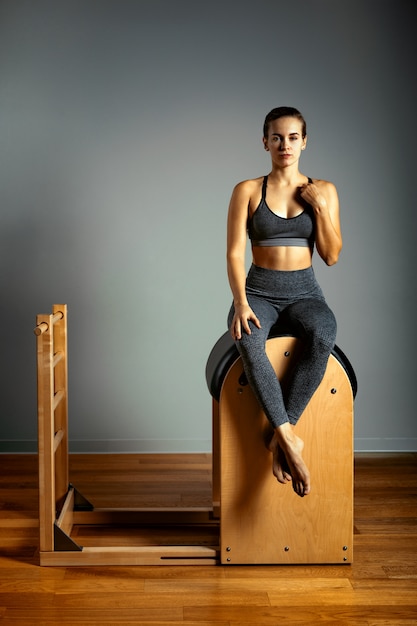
(285, 141)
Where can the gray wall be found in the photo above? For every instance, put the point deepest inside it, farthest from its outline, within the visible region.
(124, 127)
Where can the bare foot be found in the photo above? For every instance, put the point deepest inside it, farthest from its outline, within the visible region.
(288, 463)
(280, 467)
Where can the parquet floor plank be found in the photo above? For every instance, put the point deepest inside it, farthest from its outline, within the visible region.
(249, 585)
(335, 615)
(82, 617)
(124, 618)
(135, 599)
(301, 616)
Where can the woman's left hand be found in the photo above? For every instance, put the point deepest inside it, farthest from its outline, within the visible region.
(312, 194)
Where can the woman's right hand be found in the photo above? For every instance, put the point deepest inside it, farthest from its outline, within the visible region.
(243, 314)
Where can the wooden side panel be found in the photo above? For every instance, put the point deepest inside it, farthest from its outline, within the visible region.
(61, 411)
(262, 521)
(45, 392)
(215, 458)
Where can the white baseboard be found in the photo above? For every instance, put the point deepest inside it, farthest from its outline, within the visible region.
(141, 446)
(115, 446)
(376, 444)
(362, 444)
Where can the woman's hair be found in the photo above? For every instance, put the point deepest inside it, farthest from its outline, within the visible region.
(284, 112)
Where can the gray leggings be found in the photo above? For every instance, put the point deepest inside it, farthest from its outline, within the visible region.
(296, 297)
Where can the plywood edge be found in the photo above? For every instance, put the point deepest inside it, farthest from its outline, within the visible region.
(147, 555)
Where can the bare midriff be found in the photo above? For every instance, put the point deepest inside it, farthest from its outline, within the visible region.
(282, 258)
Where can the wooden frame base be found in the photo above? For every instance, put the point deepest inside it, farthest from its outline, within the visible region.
(84, 535)
(185, 537)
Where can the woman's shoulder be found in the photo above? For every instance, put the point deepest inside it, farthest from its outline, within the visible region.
(249, 186)
(328, 190)
(324, 184)
(244, 195)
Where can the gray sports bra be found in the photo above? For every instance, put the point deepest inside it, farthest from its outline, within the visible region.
(265, 228)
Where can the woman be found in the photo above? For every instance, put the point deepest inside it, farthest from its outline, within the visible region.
(284, 213)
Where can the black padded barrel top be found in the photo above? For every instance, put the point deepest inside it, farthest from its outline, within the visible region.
(224, 354)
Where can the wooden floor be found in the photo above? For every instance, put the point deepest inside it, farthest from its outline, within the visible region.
(379, 589)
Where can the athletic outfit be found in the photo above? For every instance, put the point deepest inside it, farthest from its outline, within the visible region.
(294, 296)
(265, 228)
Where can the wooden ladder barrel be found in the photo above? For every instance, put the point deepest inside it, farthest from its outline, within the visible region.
(261, 520)
(253, 519)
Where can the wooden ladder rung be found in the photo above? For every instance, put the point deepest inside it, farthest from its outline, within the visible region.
(59, 435)
(58, 356)
(57, 316)
(43, 326)
(60, 395)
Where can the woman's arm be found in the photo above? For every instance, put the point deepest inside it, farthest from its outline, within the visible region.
(236, 249)
(323, 197)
